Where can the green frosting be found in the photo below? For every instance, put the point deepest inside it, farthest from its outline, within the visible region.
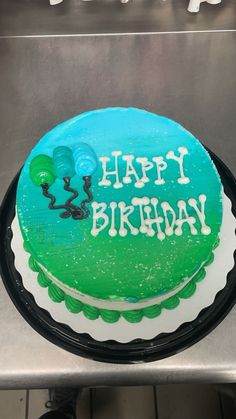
(90, 312)
(43, 280)
(32, 264)
(55, 293)
(188, 290)
(111, 316)
(148, 231)
(200, 275)
(209, 260)
(42, 170)
(26, 247)
(170, 303)
(133, 316)
(73, 305)
(152, 311)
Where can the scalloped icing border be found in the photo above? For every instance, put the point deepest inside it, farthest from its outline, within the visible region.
(75, 306)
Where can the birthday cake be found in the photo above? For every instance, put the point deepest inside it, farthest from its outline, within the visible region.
(120, 212)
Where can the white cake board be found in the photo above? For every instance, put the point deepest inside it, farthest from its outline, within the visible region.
(123, 331)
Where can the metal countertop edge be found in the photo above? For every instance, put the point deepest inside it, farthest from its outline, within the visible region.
(77, 35)
(111, 377)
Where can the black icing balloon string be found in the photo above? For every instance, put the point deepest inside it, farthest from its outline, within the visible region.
(63, 162)
(86, 187)
(83, 162)
(42, 174)
(63, 165)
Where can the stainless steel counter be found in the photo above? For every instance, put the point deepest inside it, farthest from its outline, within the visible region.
(111, 16)
(187, 76)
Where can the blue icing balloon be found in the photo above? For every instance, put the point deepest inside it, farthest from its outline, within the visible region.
(63, 162)
(85, 160)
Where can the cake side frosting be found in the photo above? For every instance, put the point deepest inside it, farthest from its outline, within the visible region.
(154, 218)
(134, 315)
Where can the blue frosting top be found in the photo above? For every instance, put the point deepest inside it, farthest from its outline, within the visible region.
(149, 229)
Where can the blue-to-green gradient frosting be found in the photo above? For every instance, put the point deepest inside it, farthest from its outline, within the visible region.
(119, 262)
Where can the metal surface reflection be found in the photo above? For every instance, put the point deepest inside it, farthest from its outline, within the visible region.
(189, 77)
(111, 16)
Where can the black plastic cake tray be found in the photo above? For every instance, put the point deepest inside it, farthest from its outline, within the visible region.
(139, 350)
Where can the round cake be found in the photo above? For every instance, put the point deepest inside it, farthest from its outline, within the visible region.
(120, 210)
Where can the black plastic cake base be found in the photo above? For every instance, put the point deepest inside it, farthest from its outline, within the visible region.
(139, 350)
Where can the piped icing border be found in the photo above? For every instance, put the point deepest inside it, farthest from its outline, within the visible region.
(111, 316)
(117, 305)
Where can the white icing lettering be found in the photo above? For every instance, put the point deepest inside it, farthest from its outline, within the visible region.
(145, 166)
(112, 230)
(184, 218)
(141, 202)
(205, 229)
(180, 160)
(152, 217)
(115, 172)
(145, 210)
(99, 214)
(130, 170)
(169, 226)
(125, 212)
(157, 220)
(161, 165)
(130, 173)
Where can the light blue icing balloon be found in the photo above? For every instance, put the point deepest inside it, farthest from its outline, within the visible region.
(63, 162)
(85, 160)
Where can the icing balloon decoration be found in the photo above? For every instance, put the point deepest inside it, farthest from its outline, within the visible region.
(42, 170)
(64, 165)
(85, 160)
(63, 162)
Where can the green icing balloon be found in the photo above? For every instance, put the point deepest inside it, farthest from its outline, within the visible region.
(42, 170)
